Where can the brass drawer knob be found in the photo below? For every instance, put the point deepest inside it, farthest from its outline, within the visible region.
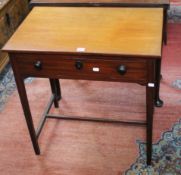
(38, 65)
(122, 69)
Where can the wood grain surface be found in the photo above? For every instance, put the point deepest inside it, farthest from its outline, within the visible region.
(124, 31)
(64, 67)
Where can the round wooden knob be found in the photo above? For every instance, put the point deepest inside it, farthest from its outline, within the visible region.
(122, 69)
(38, 65)
(78, 65)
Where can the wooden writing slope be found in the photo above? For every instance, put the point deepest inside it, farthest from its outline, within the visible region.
(86, 43)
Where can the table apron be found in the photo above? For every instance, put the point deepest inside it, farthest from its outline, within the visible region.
(84, 67)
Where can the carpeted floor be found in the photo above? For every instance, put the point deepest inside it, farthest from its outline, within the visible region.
(174, 13)
(85, 148)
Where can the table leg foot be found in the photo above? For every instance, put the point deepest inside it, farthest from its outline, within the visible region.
(37, 151)
(158, 103)
(161, 77)
(148, 162)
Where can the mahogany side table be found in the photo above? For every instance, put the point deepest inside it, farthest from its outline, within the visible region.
(86, 43)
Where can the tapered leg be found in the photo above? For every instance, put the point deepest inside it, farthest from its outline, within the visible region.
(27, 113)
(55, 87)
(150, 94)
(149, 116)
(158, 101)
(25, 105)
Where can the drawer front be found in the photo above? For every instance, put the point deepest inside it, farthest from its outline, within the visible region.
(128, 70)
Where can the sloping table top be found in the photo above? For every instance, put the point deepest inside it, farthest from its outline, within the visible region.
(129, 31)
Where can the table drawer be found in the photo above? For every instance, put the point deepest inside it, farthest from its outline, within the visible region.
(128, 70)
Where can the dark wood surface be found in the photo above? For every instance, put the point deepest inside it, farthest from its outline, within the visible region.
(66, 67)
(50, 52)
(150, 91)
(99, 2)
